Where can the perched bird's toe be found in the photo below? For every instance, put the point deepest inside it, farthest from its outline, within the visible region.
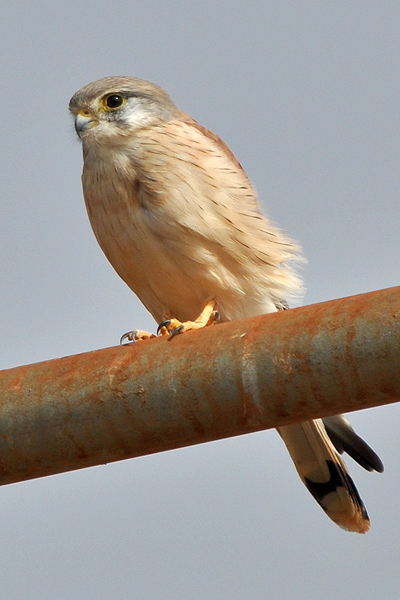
(164, 327)
(172, 326)
(137, 335)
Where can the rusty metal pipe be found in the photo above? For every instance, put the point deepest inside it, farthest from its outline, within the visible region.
(225, 380)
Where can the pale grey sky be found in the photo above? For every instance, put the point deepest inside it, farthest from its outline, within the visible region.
(306, 94)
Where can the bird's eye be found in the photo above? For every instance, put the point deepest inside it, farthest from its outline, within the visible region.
(113, 101)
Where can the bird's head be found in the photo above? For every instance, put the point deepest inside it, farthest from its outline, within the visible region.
(114, 104)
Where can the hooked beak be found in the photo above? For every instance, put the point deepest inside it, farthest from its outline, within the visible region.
(83, 121)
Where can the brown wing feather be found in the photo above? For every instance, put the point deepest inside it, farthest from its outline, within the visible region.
(215, 138)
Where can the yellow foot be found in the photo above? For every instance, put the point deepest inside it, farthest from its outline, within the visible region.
(136, 336)
(208, 316)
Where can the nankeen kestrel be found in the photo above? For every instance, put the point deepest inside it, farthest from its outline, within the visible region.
(178, 219)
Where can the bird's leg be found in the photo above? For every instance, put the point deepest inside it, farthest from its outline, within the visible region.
(171, 326)
(138, 335)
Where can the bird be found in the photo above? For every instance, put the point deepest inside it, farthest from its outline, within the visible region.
(179, 220)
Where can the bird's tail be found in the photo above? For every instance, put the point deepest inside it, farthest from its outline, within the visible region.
(324, 473)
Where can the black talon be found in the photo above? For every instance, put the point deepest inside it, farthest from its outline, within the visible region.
(163, 324)
(174, 332)
(129, 335)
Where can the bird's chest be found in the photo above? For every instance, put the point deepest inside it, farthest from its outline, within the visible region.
(117, 214)
(132, 232)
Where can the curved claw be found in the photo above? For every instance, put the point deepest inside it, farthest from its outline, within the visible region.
(163, 324)
(175, 331)
(129, 335)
